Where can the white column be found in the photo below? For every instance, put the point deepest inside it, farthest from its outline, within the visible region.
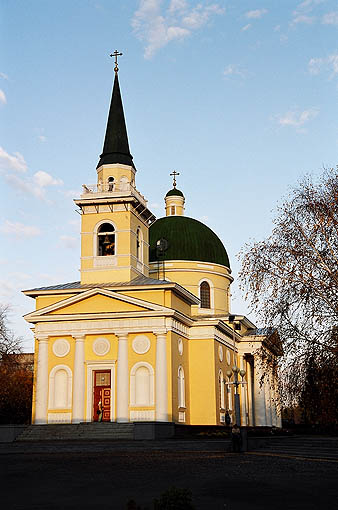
(268, 403)
(274, 402)
(259, 393)
(244, 418)
(161, 387)
(79, 379)
(122, 397)
(278, 409)
(250, 399)
(41, 395)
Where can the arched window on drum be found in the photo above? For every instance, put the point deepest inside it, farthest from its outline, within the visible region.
(205, 295)
(106, 240)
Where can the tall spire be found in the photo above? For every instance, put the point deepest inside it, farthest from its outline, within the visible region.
(116, 146)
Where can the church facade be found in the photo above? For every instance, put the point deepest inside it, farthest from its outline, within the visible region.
(147, 333)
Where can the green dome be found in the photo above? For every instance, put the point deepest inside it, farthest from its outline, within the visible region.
(175, 192)
(188, 239)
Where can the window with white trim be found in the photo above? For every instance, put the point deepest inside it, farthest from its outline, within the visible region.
(221, 390)
(139, 245)
(181, 387)
(106, 240)
(205, 295)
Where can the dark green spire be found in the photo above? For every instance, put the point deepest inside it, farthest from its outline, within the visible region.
(116, 146)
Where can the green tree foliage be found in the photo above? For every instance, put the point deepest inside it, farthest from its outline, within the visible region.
(291, 279)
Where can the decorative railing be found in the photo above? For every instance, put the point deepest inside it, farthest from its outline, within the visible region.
(116, 189)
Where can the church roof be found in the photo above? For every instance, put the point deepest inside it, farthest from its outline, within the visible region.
(139, 280)
(116, 145)
(175, 192)
(188, 239)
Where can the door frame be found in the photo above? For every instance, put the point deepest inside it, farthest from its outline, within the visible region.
(91, 367)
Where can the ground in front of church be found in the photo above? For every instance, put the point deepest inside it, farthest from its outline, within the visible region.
(107, 475)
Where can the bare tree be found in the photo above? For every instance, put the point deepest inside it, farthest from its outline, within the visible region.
(9, 343)
(16, 378)
(291, 277)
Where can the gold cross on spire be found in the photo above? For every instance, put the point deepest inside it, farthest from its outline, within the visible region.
(116, 54)
(174, 177)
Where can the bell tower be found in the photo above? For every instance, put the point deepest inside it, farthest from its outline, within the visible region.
(115, 217)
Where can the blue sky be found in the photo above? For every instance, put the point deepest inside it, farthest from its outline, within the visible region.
(240, 97)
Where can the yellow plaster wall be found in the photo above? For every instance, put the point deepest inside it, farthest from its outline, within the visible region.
(177, 202)
(126, 266)
(202, 382)
(116, 171)
(179, 304)
(189, 274)
(224, 366)
(148, 357)
(111, 354)
(151, 296)
(98, 304)
(177, 361)
(43, 301)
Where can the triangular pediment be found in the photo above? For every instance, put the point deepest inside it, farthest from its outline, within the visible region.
(97, 301)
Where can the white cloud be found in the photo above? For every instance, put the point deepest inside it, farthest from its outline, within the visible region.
(157, 26)
(177, 5)
(297, 119)
(315, 64)
(330, 18)
(303, 12)
(3, 99)
(256, 14)
(35, 185)
(330, 63)
(303, 18)
(69, 241)
(72, 193)
(246, 27)
(3, 76)
(234, 70)
(15, 162)
(43, 179)
(42, 138)
(19, 230)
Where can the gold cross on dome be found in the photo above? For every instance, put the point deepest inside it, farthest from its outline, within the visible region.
(174, 177)
(116, 54)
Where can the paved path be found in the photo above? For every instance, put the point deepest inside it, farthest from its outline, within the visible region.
(107, 475)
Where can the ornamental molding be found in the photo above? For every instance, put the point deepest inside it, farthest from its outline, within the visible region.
(117, 327)
(36, 315)
(180, 346)
(101, 346)
(141, 344)
(61, 347)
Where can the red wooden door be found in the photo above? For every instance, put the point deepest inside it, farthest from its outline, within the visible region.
(101, 395)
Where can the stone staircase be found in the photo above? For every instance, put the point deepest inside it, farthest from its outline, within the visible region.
(316, 447)
(78, 432)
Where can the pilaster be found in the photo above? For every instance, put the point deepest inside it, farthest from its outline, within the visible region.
(161, 377)
(41, 399)
(122, 402)
(259, 393)
(79, 379)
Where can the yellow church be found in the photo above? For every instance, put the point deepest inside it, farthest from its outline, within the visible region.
(147, 334)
